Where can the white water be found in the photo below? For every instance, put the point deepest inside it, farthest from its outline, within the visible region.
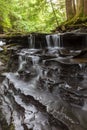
(31, 41)
(22, 62)
(2, 43)
(35, 68)
(35, 59)
(56, 40)
(48, 40)
(53, 41)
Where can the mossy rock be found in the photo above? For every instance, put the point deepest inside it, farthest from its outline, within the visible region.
(75, 23)
(4, 124)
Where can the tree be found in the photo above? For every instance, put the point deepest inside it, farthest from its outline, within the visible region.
(85, 7)
(76, 8)
(4, 15)
(80, 8)
(31, 15)
(70, 8)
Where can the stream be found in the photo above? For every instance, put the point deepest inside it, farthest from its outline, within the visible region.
(45, 89)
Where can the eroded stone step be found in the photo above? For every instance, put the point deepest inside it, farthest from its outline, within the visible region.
(29, 115)
(51, 103)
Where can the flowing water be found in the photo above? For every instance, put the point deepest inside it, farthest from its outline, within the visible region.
(46, 91)
(53, 40)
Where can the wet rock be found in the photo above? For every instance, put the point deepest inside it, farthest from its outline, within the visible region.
(42, 93)
(74, 41)
(71, 96)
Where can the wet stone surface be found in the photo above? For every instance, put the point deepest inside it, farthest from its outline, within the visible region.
(44, 91)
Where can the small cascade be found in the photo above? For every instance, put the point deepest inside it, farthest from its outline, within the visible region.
(35, 59)
(31, 41)
(36, 66)
(48, 39)
(53, 41)
(29, 65)
(56, 40)
(81, 66)
(22, 62)
(2, 43)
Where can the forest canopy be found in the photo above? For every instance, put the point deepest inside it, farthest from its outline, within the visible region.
(31, 15)
(40, 15)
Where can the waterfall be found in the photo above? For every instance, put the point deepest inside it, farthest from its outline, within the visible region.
(48, 41)
(35, 59)
(44, 86)
(53, 41)
(22, 61)
(2, 43)
(56, 40)
(31, 41)
(29, 63)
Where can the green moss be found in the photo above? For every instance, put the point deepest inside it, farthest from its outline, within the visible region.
(11, 127)
(76, 22)
(4, 57)
(4, 124)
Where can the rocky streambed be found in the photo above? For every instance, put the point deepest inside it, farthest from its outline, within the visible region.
(44, 89)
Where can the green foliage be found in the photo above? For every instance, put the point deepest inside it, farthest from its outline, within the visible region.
(30, 15)
(4, 15)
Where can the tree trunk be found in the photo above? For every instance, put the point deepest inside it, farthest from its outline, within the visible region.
(76, 11)
(85, 7)
(70, 8)
(80, 8)
(74, 7)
